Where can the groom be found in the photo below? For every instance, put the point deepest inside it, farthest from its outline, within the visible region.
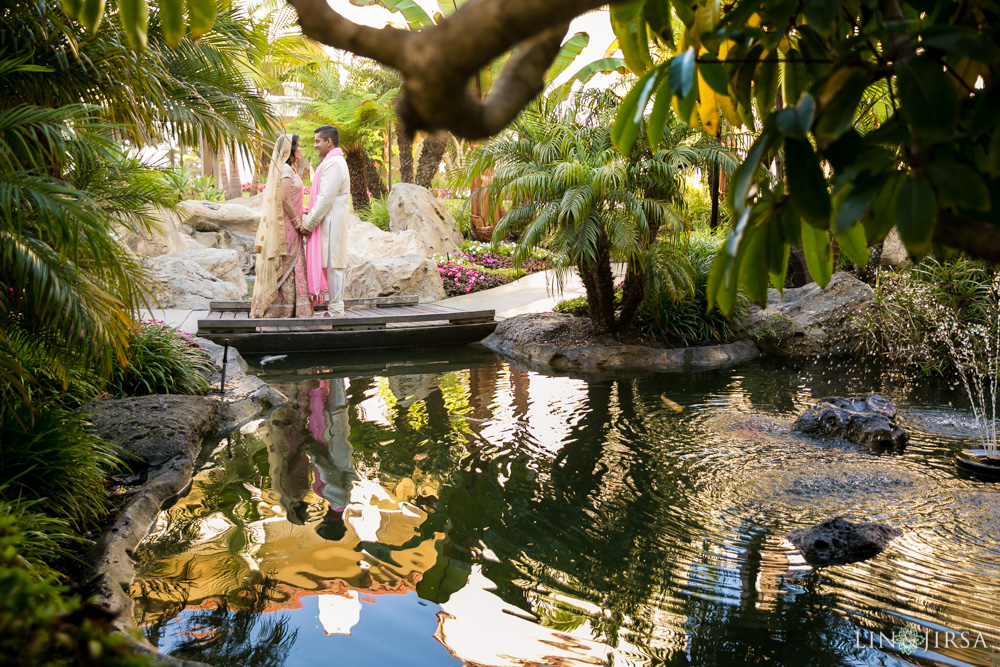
(329, 209)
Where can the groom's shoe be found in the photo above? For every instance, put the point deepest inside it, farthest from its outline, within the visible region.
(336, 310)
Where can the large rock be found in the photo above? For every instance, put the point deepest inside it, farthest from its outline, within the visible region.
(836, 541)
(413, 207)
(866, 420)
(183, 283)
(226, 240)
(526, 339)
(365, 241)
(222, 263)
(813, 322)
(390, 276)
(211, 216)
(165, 236)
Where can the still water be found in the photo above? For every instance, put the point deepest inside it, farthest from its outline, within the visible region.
(457, 510)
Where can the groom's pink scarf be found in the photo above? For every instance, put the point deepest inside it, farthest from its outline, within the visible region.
(315, 276)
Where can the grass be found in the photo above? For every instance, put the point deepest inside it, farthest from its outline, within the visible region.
(161, 361)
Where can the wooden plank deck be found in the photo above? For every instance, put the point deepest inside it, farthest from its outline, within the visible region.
(386, 322)
(368, 302)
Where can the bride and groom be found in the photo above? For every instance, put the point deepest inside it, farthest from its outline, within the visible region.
(301, 259)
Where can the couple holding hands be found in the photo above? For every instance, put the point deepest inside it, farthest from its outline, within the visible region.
(301, 258)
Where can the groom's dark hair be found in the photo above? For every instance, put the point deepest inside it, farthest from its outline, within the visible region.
(328, 132)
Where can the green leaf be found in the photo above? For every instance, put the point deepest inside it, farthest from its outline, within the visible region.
(587, 72)
(958, 185)
(766, 88)
(72, 8)
(658, 116)
(818, 252)
(449, 7)
(806, 183)
(961, 41)
(684, 12)
(172, 21)
(795, 121)
(853, 201)
(134, 16)
(820, 14)
(754, 265)
(852, 242)
(568, 52)
(928, 98)
(629, 25)
(794, 77)
(201, 16)
(714, 74)
(415, 16)
(881, 216)
(722, 284)
(91, 15)
(777, 255)
(743, 176)
(791, 226)
(658, 16)
(916, 214)
(685, 105)
(630, 114)
(744, 77)
(838, 116)
(681, 77)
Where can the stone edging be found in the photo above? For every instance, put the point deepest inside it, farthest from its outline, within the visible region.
(246, 396)
(514, 339)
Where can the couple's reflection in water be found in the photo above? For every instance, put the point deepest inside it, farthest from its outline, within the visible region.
(308, 448)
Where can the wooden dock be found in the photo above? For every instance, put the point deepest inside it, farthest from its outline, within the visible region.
(373, 323)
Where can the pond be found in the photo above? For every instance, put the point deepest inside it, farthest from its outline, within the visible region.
(454, 509)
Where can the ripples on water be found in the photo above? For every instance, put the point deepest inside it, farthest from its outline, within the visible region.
(474, 513)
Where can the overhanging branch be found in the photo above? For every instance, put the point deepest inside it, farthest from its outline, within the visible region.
(438, 62)
(973, 237)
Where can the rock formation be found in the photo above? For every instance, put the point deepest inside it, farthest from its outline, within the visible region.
(866, 420)
(836, 541)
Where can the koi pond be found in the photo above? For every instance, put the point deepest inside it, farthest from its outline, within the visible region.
(453, 509)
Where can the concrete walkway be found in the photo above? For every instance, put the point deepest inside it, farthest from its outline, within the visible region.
(534, 293)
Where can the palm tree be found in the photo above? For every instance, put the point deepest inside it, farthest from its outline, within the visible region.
(358, 114)
(568, 188)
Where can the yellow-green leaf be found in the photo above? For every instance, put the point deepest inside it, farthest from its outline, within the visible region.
(134, 16)
(72, 8)
(629, 24)
(201, 16)
(172, 20)
(916, 215)
(93, 12)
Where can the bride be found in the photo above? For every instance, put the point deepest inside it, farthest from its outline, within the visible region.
(280, 288)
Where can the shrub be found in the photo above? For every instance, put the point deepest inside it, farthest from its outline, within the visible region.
(922, 314)
(578, 307)
(38, 627)
(377, 213)
(53, 460)
(161, 360)
(675, 309)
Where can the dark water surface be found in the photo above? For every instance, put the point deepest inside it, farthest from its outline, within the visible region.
(465, 512)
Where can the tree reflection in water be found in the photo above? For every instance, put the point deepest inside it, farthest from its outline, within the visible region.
(642, 529)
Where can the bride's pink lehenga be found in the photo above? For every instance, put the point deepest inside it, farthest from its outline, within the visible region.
(292, 294)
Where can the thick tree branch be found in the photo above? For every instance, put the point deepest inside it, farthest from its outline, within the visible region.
(974, 237)
(438, 62)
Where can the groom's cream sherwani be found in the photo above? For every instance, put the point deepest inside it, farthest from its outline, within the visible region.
(329, 208)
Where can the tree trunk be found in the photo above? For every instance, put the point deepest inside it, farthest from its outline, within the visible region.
(405, 144)
(234, 189)
(599, 283)
(435, 145)
(375, 183)
(209, 160)
(632, 295)
(356, 157)
(713, 181)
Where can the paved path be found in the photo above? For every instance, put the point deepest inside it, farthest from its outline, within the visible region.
(535, 293)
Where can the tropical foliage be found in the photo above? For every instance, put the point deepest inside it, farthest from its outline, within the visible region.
(802, 74)
(359, 113)
(569, 189)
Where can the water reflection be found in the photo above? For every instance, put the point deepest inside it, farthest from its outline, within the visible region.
(487, 515)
